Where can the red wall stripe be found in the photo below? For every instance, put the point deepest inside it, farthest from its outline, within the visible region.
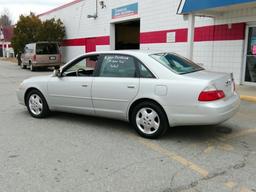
(205, 33)
(74, 42)
(160, 36)
(102, 40)
(5, 46)
(220, 32)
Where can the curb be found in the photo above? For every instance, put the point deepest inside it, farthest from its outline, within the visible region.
(248, 98)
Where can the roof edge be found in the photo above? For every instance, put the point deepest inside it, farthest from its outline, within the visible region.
(60, 7)
(180, 7)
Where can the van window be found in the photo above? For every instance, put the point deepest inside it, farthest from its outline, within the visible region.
(46, 48)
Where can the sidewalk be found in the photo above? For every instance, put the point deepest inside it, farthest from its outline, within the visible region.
(10, 59)
(247, 93)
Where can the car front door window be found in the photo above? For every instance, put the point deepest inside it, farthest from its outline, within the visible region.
(82, 67)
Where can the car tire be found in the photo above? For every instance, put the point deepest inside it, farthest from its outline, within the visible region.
(36, 104)
(149, 120)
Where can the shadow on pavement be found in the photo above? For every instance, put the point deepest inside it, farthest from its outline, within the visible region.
(194, 133)
(197, 133)
(98, 122)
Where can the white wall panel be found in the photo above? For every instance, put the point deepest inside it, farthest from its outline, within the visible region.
(179, 48)
(158, 15)
(70, 52)
(221, 56)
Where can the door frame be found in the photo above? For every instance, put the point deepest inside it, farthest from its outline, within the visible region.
(113, 30)
(243, 82)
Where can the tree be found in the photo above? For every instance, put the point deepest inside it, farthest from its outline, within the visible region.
(5, 19)
(52, 30)
(26, 31)
(31, 29)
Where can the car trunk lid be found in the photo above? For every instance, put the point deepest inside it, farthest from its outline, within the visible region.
(222, 81)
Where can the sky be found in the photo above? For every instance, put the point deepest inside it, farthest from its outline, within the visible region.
(18, 7)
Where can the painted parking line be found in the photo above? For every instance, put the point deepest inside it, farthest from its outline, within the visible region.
(242, 133)
(183, 161)
(248, 98)
(209, 149)
(245, 189)
(230, 184)
(215, 145)
(220, 142)
(172, 155)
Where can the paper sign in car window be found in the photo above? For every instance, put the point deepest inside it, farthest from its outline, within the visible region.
(117, 59)
(254, 49)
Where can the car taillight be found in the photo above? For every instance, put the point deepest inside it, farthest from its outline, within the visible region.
(211, 94)
(34, 57)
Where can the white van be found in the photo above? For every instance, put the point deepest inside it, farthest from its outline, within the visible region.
(41, 54)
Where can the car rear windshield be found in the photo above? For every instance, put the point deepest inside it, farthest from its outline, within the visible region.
(46, 48)
(176, 63)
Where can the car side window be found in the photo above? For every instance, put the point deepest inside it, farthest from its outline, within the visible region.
(84, 66)
(144, 72)
(118, 66)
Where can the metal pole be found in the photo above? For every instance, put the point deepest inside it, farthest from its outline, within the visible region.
(3, 47)
(191, 31)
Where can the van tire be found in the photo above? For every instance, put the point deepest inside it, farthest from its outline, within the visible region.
(22, 66)
(32, 68)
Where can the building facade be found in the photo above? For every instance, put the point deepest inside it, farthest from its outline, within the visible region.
(220, 35)
(6, 34)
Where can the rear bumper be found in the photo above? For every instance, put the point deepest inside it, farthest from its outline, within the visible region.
(205, 113)
(46, 64)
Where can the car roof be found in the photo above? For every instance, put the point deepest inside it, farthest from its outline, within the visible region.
(129, 52)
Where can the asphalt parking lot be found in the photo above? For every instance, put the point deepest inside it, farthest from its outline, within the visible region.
(72, 153)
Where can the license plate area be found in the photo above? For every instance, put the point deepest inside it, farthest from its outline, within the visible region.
(52, 58)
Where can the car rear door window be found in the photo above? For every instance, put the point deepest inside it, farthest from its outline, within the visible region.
(144, 71)
(118, 66)
(176, 63)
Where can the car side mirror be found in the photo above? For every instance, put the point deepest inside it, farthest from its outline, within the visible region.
(57, 73)
(200, 64)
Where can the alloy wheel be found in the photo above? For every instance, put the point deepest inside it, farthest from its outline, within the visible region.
(147, 120)
(35, 104)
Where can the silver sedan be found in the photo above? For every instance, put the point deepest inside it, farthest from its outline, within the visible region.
(153, 91)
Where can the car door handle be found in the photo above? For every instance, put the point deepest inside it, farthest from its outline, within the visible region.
(131, 86)
(84, 85)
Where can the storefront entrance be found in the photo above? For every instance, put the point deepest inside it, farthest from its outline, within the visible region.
(250, 65)
(127, 35)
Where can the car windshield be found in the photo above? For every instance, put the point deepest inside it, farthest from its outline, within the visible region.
(176, 63)
(46, 48)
